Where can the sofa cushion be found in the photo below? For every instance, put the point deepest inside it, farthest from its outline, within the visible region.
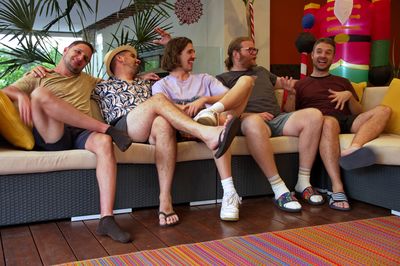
(359, 89)
(372, 97)
(391, 99)
(386, 147)
(11, 126)
(24, 162)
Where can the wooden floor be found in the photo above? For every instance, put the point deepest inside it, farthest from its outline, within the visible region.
(64, 241)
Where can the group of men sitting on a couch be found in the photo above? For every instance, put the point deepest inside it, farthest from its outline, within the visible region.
(214, 110)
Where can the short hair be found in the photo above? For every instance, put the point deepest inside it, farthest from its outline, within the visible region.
(174, 48)
(74, 43)
(329, 41)
(235, 45)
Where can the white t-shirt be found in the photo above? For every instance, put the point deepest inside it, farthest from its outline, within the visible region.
(186, 91)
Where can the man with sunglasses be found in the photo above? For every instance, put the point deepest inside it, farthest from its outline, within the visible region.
(263, 119)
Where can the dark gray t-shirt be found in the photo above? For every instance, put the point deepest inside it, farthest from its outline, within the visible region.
(262, 99)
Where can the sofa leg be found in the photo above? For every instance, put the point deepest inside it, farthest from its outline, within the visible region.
(397, 213)
(97, 216)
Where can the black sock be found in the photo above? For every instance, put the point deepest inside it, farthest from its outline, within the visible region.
(108, 226)
(120, 138)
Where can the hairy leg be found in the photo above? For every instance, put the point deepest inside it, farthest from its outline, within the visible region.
(367, 126)
(50, 113)
(163, 136)
(329, 149)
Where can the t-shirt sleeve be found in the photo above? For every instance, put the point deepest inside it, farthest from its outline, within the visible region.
(216, 87)
(158, 88)
(273, 78)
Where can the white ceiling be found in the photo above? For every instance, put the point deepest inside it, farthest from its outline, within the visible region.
(106, 8)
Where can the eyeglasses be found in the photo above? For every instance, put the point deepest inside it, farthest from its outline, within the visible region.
(250, 50)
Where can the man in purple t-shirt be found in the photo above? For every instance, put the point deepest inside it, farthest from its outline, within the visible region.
(335, 97)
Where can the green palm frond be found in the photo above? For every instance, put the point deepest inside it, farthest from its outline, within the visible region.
(144, 24)
(53, 7)
(17, 18)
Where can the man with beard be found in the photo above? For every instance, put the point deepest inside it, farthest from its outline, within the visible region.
(335, 97)
(263, 119)
(193, 92)
(57, 104)
(126, 102)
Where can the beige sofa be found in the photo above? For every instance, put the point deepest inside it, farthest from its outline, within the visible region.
(38, 186)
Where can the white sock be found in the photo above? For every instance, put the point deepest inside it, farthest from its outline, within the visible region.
(227, 185)
(303, 180)
(217, 107)
(278, 186)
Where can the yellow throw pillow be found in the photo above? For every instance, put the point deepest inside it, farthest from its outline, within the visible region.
(391, 99)
(359, 88)
(11, 126)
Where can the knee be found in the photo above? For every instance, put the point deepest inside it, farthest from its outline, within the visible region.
(315, 117)
(386, 111)
(330, 125)
(41, 94)
(254, 126)
(247, 80)
(162, 126)
(102, 144)
(159, 98)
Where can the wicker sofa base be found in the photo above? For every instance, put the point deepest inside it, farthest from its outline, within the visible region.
(27, 198)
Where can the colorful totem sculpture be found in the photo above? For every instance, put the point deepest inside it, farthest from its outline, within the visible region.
(361, 30)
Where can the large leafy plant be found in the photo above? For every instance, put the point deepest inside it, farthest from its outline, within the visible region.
(18, 17)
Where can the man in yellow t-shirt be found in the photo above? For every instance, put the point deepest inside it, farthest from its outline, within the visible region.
(58, 107)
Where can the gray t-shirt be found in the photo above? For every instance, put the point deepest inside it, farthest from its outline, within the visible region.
(262, 99)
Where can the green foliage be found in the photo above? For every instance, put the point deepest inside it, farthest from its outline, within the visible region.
(17, 18)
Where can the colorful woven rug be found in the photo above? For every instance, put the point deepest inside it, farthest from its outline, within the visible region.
(364, 242)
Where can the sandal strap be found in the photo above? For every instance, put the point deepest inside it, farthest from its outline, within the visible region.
(338, 196)
(285, 198)
(308, 192)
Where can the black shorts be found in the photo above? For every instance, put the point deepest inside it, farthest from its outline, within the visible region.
(73, 138)
(345, 122)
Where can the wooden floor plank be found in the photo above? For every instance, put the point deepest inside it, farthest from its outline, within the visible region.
(171, 236)
(112, 247)
(81, 240)
(19, 247)
(51, 244)
(201, 223)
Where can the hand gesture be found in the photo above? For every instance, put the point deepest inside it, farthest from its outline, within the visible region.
(165, 37)
(24, 107)
(339, 97)
(288, 84)
(149, 76)
(194, 107)
(40, 71)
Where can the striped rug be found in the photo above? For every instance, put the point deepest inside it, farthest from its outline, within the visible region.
(364, 242)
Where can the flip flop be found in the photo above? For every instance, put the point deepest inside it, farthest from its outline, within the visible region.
(306, 195)
(338, 197)
(286, 198)
(165, 218)
(228, 135)
(362, 157)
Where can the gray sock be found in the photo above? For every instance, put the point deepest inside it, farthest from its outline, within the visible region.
(107, 226)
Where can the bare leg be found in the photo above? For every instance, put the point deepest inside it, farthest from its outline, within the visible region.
(329, 149)
(106, 173)
(367, 126)
(163, 136)
(159, 105)
(306, 124)
(50, 113)
(236, 98)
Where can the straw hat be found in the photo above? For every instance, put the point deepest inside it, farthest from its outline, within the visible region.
(110, 55)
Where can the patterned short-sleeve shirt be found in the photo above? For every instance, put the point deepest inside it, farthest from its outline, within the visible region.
(117, 97)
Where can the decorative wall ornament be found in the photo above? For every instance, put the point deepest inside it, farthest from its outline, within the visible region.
(188, 11)
(250, 18)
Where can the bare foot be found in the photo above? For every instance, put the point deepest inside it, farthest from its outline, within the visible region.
(166, 214)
